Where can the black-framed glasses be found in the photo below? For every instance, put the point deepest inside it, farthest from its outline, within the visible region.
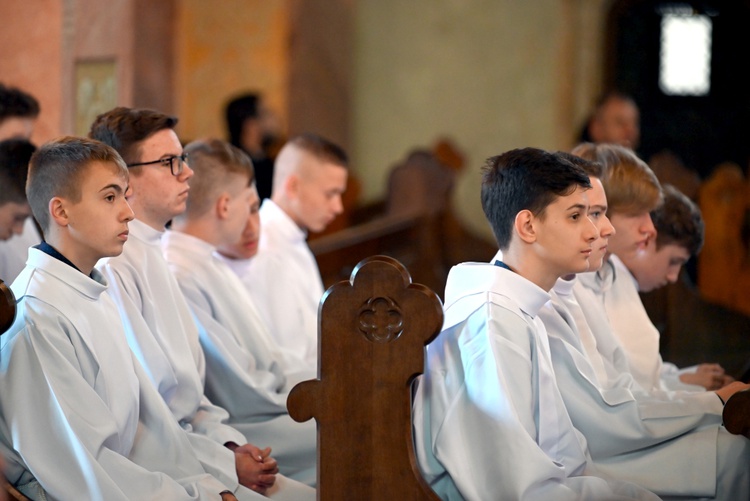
(176, 163)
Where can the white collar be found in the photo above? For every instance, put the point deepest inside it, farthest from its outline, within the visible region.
(274, 216)
(144, 232)
(478, 279)
(90, 286)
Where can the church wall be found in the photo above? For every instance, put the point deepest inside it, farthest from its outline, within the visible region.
(49, 41)
(31, 57)
(226, 48)
(492, 75)
(489, 74)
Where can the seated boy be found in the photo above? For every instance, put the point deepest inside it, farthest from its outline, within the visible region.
(489, 420)
(679, 236)
(78, 413)
(161, 330)
(633, 192)
(242, 357)
(18, 114)
(283, 279)
(672, 444)
(14, 209)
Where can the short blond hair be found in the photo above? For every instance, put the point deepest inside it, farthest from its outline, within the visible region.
(631, 186)
(214, 163)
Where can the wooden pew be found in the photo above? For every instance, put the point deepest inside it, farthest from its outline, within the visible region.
(7, 316)
(7, 307)
(372, 334)
(736, 413)
(416, 240)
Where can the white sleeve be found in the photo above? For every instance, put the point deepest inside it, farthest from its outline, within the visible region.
(65, 432)
(233, 379)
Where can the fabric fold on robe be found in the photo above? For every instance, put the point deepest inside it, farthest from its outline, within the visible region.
(489, 420)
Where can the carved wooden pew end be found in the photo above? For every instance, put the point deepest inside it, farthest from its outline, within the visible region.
(372, 333)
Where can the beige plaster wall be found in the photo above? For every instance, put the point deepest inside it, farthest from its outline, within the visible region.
(490, 74)
(224, 48)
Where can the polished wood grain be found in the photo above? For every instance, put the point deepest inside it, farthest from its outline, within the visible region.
(372, 334)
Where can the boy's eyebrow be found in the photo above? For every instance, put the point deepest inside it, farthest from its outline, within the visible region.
(115, 187)
(578, 206)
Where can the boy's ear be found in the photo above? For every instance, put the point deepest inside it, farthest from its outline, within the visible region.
(57, 211)
(524, 226)
(222, 206)
(291, 185)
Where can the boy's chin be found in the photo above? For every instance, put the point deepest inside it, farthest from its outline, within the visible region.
(114, 252)
(595, 264)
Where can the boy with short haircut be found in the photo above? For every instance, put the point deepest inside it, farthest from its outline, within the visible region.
(283, 278)
(242, 357)
(679, 236)
(161, 330)
(671, 443)
(14, 209)
(18, 113)
(489, 420)
(94, 428)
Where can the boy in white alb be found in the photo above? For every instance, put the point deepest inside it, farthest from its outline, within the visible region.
(18, 113)
(283, 278)
(242, 356)
(489, 420)
(78, 412)
(161, 330)
(14, 209)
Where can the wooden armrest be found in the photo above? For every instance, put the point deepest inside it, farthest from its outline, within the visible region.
(13, 494)
(7, 307)
(736, 413)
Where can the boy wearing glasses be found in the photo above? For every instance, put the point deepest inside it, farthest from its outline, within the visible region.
(161, 330)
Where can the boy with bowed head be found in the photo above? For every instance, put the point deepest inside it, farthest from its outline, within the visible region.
(283, 278)
(14, 209)
(242, 358)
(18, 113)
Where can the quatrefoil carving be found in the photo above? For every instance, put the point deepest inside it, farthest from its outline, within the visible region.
(381, 320)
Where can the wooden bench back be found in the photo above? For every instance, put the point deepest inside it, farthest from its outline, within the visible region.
(7, 307)
(416, 240)
(371, 337)
(7, 316)
(736, 413)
